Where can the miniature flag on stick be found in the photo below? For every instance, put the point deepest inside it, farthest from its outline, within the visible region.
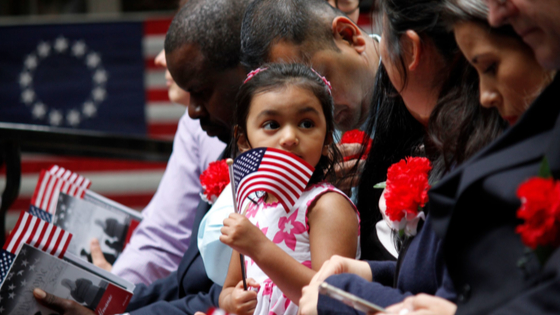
(49, 187)
(278, 172)
(70, 177)
(236, 208)
(38, 233)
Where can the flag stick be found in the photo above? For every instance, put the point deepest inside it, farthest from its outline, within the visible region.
(232, 181)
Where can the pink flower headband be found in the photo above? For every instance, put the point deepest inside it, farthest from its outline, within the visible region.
(253, 73)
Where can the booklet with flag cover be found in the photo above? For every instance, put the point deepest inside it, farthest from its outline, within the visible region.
(34, 256)
(95, 217)
(33, 268)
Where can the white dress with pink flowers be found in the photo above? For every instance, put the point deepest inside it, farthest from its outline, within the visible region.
(290, 231)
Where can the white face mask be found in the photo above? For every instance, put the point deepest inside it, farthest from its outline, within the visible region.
(215, 254)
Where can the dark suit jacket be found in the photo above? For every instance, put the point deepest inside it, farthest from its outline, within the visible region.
(474, 212)
(184, 291)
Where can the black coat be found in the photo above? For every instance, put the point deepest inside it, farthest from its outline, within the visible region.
(474, 208)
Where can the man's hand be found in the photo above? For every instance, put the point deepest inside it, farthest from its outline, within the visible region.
(423, 304)
(60, 305)
(348, 171)
(97, 256)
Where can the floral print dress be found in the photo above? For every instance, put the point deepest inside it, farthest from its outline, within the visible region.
(290, 231)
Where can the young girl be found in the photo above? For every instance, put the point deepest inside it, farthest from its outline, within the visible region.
(287, 107)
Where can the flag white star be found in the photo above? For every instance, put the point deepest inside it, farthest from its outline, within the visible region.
(12, 295)
(39, 110)
(55, 117)
(79, 48)
(23, 251)
(24, 283)
(20, 273)
(73, 118)
(43, 49)
(89, 109)
(31, 62)
(61, 216)
(1, 309)
(10, 276)
(93, 60)
(60, 44)
(99, 94)
(100, 76)
(32, 267)
(27, 96)
(25, 263)
(11, 287)
(25, 79)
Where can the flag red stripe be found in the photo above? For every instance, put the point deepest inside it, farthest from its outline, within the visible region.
(250, 179)
(288, 165)
(157, 95)
(294, 159)
(298, 182)
(50, 237)
(21, 234)
(36, 224)
(41, 235)
(156, 27)
(162, 129)
(264, 184)
(66, 244)
(37, 191)
(14, 232)
(284, 200)
(57, 243)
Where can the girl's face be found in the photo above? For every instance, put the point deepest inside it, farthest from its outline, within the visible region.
(289, 119)
(510, 77)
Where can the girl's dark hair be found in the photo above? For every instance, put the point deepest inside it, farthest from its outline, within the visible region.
(458, 126)
(281, 76)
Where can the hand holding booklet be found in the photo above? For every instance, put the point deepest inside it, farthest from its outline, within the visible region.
(46, 248)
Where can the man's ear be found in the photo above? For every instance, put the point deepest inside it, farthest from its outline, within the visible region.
(412, 49)
(242, 142)
(344, 29)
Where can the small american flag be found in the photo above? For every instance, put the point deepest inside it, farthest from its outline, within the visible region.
(38, 233)
(275, 171)
(6, 260)
(50, 185)
(41, 214)
(70, 177)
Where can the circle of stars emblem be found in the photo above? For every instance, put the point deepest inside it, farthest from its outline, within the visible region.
(57, 117)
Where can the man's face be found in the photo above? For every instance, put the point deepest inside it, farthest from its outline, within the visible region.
(212, 92)
(536, 21)
(351, 76)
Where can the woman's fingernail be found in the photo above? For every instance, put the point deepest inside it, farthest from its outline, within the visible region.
(39, 293)
(404, 311)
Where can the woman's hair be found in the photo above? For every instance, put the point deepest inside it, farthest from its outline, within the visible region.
(455, 11)
(274, 77)
(458, 126)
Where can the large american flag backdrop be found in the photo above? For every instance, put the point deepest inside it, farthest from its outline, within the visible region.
(94, 76)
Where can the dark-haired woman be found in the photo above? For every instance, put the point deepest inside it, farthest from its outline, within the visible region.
(492, 269)
(428, 105)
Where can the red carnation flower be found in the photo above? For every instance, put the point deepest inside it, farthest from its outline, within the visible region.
(407, 187)
(356, 136)
(540, 208)
(213, 180)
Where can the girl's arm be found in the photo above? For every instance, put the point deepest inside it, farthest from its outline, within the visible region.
(233, 298)
(333, 231)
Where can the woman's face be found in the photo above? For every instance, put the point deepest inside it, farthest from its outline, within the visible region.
(175, 93)
(510, 76)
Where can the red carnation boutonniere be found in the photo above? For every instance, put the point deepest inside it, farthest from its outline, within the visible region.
(406, 194)
(356, 136)
(213, 180)
(540, 209)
